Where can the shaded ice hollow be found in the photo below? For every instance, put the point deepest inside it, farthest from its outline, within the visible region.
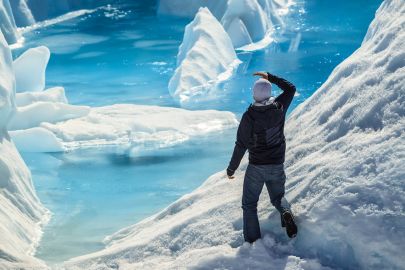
(345, 181)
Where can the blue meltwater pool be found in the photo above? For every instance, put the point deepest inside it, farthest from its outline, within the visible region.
(125, 53)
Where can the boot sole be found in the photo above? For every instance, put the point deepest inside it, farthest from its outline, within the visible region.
(290, 226)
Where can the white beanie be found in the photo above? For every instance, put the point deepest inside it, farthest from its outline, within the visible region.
(261, 90)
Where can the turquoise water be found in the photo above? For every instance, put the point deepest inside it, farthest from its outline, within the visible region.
(126, 54)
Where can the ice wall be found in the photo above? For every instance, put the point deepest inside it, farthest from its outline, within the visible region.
(206, 57)
(345, 181)
(21, 213)
(245, 21)
(7, 23)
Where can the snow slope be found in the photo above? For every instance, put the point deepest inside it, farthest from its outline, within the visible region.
(206, 57)
(345, 180)
(249, 23)
(21, 213)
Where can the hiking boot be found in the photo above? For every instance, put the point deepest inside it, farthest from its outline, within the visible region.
(289, 224)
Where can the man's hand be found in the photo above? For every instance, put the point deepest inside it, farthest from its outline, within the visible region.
(261, 74)
(230, 173)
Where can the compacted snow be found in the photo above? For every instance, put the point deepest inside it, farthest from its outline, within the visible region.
(21, 213)
(345, 182)
(206, 57)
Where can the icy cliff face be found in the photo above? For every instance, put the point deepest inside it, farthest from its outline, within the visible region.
(206, 57)
(21, 213)
(345, 181)
(245, 21)
(7, 25)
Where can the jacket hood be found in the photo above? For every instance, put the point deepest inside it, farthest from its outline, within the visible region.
(262, 108)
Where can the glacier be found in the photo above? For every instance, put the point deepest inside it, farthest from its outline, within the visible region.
(206, 57)
(47, 114)
(248, 23)
(345, 171)
(21, 213)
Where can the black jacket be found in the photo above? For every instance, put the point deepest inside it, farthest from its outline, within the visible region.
(261, 130)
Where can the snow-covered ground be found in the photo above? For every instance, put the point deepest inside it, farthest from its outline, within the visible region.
(21, 212)
(345, 180)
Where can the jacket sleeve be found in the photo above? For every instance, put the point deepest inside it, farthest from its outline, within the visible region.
(241, 144)
(288, 89)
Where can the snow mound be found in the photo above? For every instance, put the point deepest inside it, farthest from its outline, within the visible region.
(206, 57)
(345, 182)
(21, 213)
(44, 111)
(247, 22)
(7, 25)
(36, 106)
(29, 69)
(27, 140)
(141, 127)
(55, 94)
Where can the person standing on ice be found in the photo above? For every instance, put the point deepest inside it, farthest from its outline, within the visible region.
(261, 132)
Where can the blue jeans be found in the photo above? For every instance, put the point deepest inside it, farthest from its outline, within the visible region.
(256, 176)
